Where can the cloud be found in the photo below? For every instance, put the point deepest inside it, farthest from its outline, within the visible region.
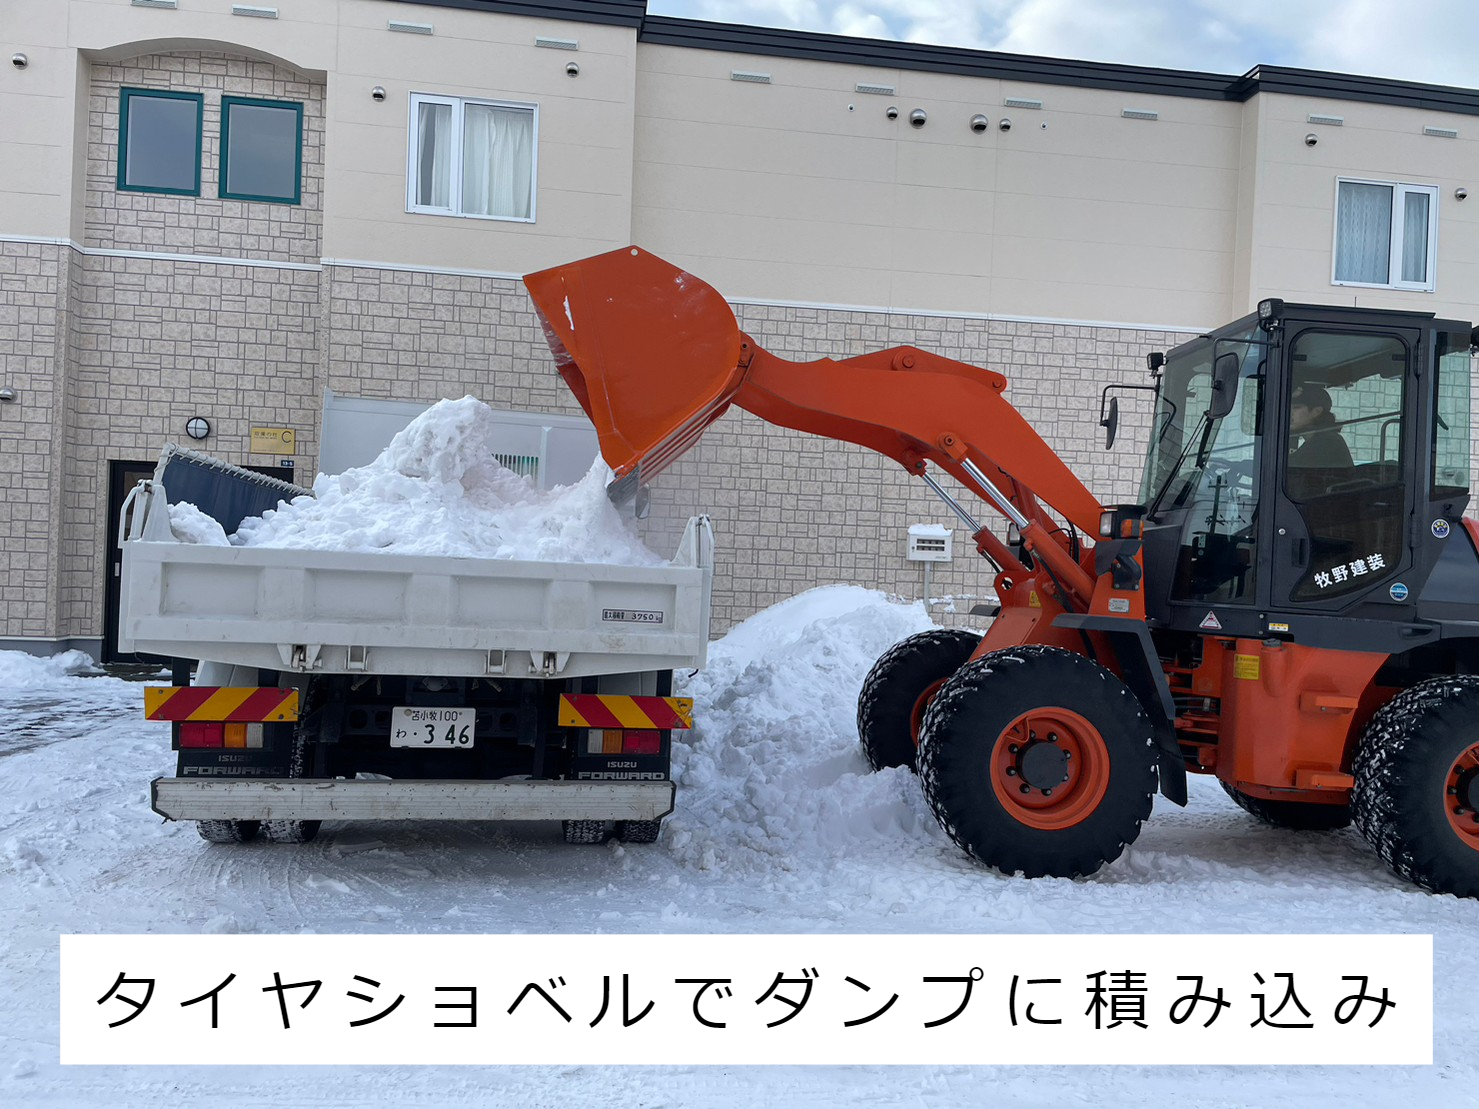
(1430, 41)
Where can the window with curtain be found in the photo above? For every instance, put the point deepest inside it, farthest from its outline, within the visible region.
(472, 158)
(1384, 233)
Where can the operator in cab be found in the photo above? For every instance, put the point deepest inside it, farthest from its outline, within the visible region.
(1315, 442)
(1318, 453)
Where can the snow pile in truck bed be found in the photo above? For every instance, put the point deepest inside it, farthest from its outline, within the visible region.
(436, 490)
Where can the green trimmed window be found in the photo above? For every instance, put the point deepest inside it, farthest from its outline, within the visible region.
(261, 150)
(159, 141)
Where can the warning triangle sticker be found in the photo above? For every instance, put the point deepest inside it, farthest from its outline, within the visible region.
(1211, 623)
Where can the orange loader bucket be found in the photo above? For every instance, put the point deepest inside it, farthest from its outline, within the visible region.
(651, 352)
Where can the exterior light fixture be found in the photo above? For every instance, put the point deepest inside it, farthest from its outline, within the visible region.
(197, 427)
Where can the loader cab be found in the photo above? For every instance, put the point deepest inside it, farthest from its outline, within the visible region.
(1307, 462)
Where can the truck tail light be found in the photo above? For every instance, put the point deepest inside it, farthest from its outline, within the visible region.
(208, 733)
(623, 741)
(202, 734)
(634, 742)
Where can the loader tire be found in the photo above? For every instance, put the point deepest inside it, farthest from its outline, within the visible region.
(900, 687)
(1302, 816)
(1416, 797)
(227, 831)
(1038, 761)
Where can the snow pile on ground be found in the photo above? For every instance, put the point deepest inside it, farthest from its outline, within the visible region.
(20, 670)
(773, 766)
(437, 490)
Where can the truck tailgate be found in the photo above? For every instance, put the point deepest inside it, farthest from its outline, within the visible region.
(349, 612)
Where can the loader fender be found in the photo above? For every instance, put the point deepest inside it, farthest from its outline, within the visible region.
(1140, 668)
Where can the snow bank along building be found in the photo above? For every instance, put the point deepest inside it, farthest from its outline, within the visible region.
(288, 226)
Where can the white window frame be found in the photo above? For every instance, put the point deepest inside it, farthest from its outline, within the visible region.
(1400, 190)
(455, 207)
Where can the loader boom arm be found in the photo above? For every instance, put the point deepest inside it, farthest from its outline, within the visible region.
(654, 355)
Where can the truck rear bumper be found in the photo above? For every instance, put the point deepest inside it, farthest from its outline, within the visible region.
(404, 799)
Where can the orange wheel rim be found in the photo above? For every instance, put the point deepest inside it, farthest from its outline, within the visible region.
(1050, 769)
(1461, 796)
(922, 702)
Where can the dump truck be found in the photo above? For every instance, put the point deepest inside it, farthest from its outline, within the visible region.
(345, 685)
(1290, 605)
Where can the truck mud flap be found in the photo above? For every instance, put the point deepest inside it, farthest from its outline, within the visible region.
(404, 799)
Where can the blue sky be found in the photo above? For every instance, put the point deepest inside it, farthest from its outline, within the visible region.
(1435, 41)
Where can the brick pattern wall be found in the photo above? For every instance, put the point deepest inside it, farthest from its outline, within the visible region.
(33, 319)
(423, 336)
(204, 224)
(156, 342)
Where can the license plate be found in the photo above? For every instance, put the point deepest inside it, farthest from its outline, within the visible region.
(432, 727)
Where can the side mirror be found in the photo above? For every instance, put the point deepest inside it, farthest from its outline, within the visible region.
(1111, 422)
(1224, 385)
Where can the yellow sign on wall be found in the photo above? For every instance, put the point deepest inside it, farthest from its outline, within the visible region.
(274, 440)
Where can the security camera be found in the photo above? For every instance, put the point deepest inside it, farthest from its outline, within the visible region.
(19, 61)
(917, 117)
(1005, 125)
(892, 113)
(378, 93)
(1460, 193)
(572, 69)
(979, 123)
(1311, 139)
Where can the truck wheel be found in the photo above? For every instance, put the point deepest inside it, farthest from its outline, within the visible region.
(1416, 797)
(584, 831)
(291, 831)
(638, 831)
(227, 831)
(900, 687)
(1304, 816)
(1038, 760)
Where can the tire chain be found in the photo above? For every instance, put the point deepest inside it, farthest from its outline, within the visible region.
(1372, 796)
(967, 683)
(868, 699)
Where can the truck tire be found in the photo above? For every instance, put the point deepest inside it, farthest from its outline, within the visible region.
(584, 831)
(291, 831)
(1303, 816)
(299, 831)
(638, 831)
(1416, 797)
(227, 831)
(900, 687)
(1038, 761)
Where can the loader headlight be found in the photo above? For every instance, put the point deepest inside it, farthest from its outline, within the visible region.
(1270, 312)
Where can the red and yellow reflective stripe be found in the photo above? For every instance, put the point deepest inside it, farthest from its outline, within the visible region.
(605, 710)
(220, 703)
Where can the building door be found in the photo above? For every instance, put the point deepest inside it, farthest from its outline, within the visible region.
(123, 476)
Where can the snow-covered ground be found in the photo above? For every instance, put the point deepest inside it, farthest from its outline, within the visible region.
(779, 828)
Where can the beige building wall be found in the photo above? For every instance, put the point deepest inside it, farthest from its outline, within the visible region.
(803, 189)
(1292, 238)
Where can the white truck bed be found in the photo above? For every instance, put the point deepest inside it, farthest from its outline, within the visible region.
(347, 612)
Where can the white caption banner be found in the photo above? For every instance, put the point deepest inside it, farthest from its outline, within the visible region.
(600, 999)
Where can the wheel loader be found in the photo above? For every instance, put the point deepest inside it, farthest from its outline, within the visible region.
(1291, 605)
